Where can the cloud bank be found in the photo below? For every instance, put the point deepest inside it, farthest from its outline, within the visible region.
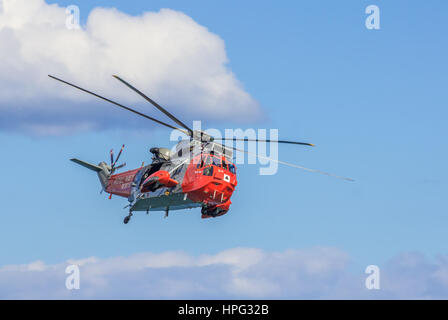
(244, 273)
(165, 54)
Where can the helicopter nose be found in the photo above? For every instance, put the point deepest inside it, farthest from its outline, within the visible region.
(225, 178)
(219, 191)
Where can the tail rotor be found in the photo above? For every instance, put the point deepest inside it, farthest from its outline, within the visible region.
(113, 164)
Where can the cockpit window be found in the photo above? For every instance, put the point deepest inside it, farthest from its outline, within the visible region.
(217, 161)
(204, 161)
(208, 160)
(224, 164)
(208, 171)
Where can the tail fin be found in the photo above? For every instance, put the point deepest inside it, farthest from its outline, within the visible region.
(87, 165)
(102, 169)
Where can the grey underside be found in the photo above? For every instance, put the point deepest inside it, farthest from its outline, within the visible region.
(158, 201)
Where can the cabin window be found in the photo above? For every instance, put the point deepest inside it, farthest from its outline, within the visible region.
(200, 161)
(208, 171)
(232, 168)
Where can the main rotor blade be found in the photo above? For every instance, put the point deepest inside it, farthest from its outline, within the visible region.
(155, 104)
(258, 140)
(295, 165)
(120, 105)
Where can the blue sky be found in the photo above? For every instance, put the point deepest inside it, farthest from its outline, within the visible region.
(373, 101)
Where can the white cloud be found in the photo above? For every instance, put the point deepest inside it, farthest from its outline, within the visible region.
(166, 54)
(315, 273)
(238, 272)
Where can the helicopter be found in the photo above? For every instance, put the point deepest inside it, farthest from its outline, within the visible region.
(198, 172)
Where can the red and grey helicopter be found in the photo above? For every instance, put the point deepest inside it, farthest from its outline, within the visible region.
(198, 173)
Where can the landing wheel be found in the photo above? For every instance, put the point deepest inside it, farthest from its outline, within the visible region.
(127, 218)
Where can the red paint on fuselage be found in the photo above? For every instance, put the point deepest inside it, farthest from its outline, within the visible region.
(162, 177)
(210, 180)
(120, 184)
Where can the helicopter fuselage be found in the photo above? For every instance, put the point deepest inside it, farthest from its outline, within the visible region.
(206, 180)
